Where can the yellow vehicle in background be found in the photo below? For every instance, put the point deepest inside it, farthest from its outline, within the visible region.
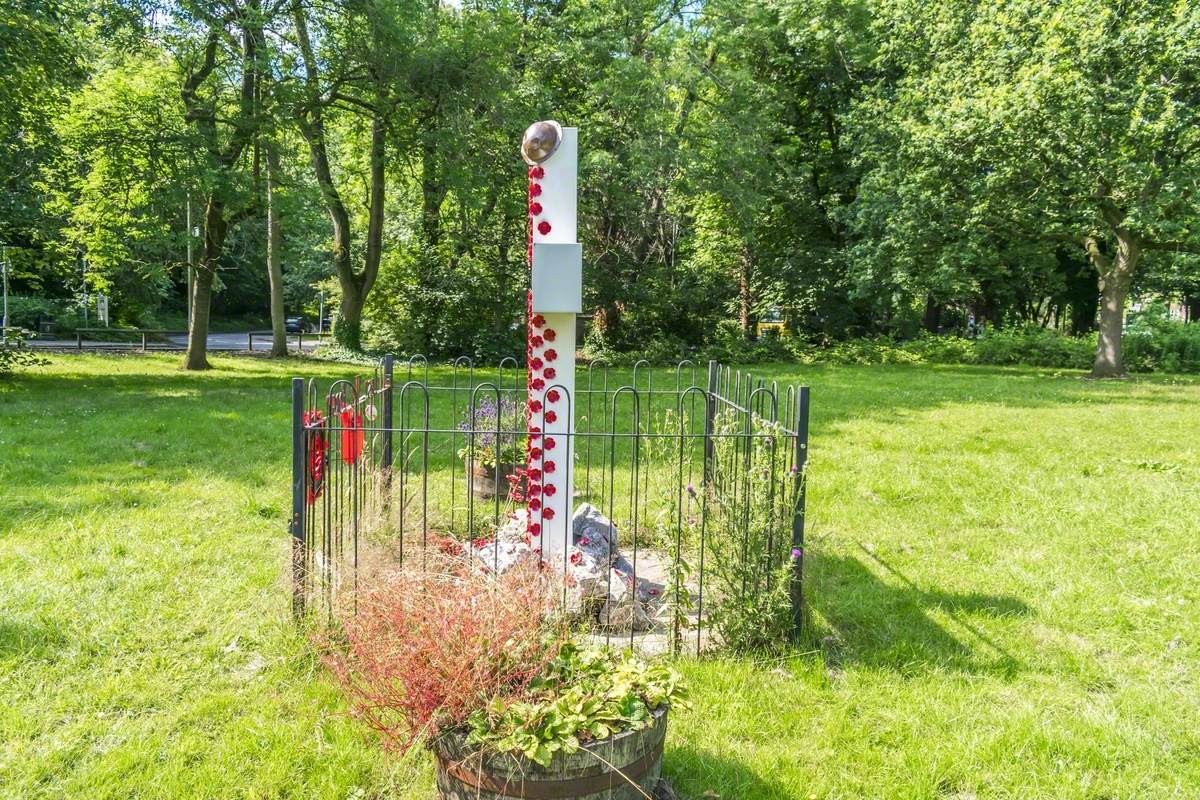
(772, 321)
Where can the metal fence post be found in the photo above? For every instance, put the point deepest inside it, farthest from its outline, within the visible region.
(800, 487)
(710, 415)
(385, 456)
(250, 341)
(296, 527)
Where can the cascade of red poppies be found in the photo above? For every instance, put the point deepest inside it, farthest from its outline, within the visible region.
(541, 403)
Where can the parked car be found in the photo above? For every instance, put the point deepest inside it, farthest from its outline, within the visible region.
(294, 324)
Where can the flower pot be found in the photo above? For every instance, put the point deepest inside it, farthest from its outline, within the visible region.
(488, 482)
(590, 773)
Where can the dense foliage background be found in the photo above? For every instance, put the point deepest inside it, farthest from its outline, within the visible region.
(849, 168)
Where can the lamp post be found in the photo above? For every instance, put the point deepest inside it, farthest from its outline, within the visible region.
(321, 311)
(4, 268)
(189, 259)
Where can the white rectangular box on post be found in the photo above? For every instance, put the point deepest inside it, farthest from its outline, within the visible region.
(557, 277)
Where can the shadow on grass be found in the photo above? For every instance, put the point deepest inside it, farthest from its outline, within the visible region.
(22, 640)
(887, 623)
(695, 774)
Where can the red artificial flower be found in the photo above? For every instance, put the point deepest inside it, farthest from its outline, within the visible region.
(549, 334)
(536, 171)
(550, 443)
(535, 528)
(535, 189)
(551, 354)
(550, 416)
(576, 557)
(539, 320)
(535, 363)
(535, 208)
(535, 406)
(535, 474)
(535, 341)
(534, 431)
(550, 373)
(547, 513)
(543, 227)
(549, 466)
(553, 395)
(535, 453)
(550, 490)
(535, 489)
(538, 384)
(534, 504)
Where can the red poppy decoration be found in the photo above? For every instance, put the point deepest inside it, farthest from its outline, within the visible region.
(535, 189)
(549, 335)
(550, 373)
(535, 208)
(538, 384)
(538, 321)
(352, 435)
(535, 489)
(535, 474)
(535, 406)
(316, 456)
(535, 504)
(547, 513)
(550, 442)
(537, 171)
(576, 557)
(535, 432)
(551, 354)
(535, 363)
(535, 453)
(534, 341)
(535, 528)
(549, 467)
(553, 395)
(543, 227)
(550, 489)
(550, 417)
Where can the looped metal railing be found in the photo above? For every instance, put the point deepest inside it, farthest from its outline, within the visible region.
(705, 484)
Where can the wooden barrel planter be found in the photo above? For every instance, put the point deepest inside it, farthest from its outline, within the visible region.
(487, 483)
(587, 774)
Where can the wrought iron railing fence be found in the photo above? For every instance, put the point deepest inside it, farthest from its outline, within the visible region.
(700, 472)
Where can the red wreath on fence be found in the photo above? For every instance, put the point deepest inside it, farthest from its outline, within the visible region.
(316, 455)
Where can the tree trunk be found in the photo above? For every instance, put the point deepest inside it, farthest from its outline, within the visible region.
(215, 229)
(348, 330)
(432, 195)
(274, 267)
(1116, 277)
(746, 317)
(932, 320)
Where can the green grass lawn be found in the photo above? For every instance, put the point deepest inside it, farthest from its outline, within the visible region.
(1003, 578)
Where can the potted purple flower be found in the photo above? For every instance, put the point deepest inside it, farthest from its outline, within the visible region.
(494, 445)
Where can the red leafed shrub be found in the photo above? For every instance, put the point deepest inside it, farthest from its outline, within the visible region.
(429, 646)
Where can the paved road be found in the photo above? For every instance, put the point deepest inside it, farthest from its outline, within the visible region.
(216, 342)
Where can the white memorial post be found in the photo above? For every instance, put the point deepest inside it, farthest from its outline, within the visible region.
(555, 298)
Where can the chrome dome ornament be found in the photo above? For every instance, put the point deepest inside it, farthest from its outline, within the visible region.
(540, 141)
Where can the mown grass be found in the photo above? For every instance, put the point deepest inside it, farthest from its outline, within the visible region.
(1002, 581)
